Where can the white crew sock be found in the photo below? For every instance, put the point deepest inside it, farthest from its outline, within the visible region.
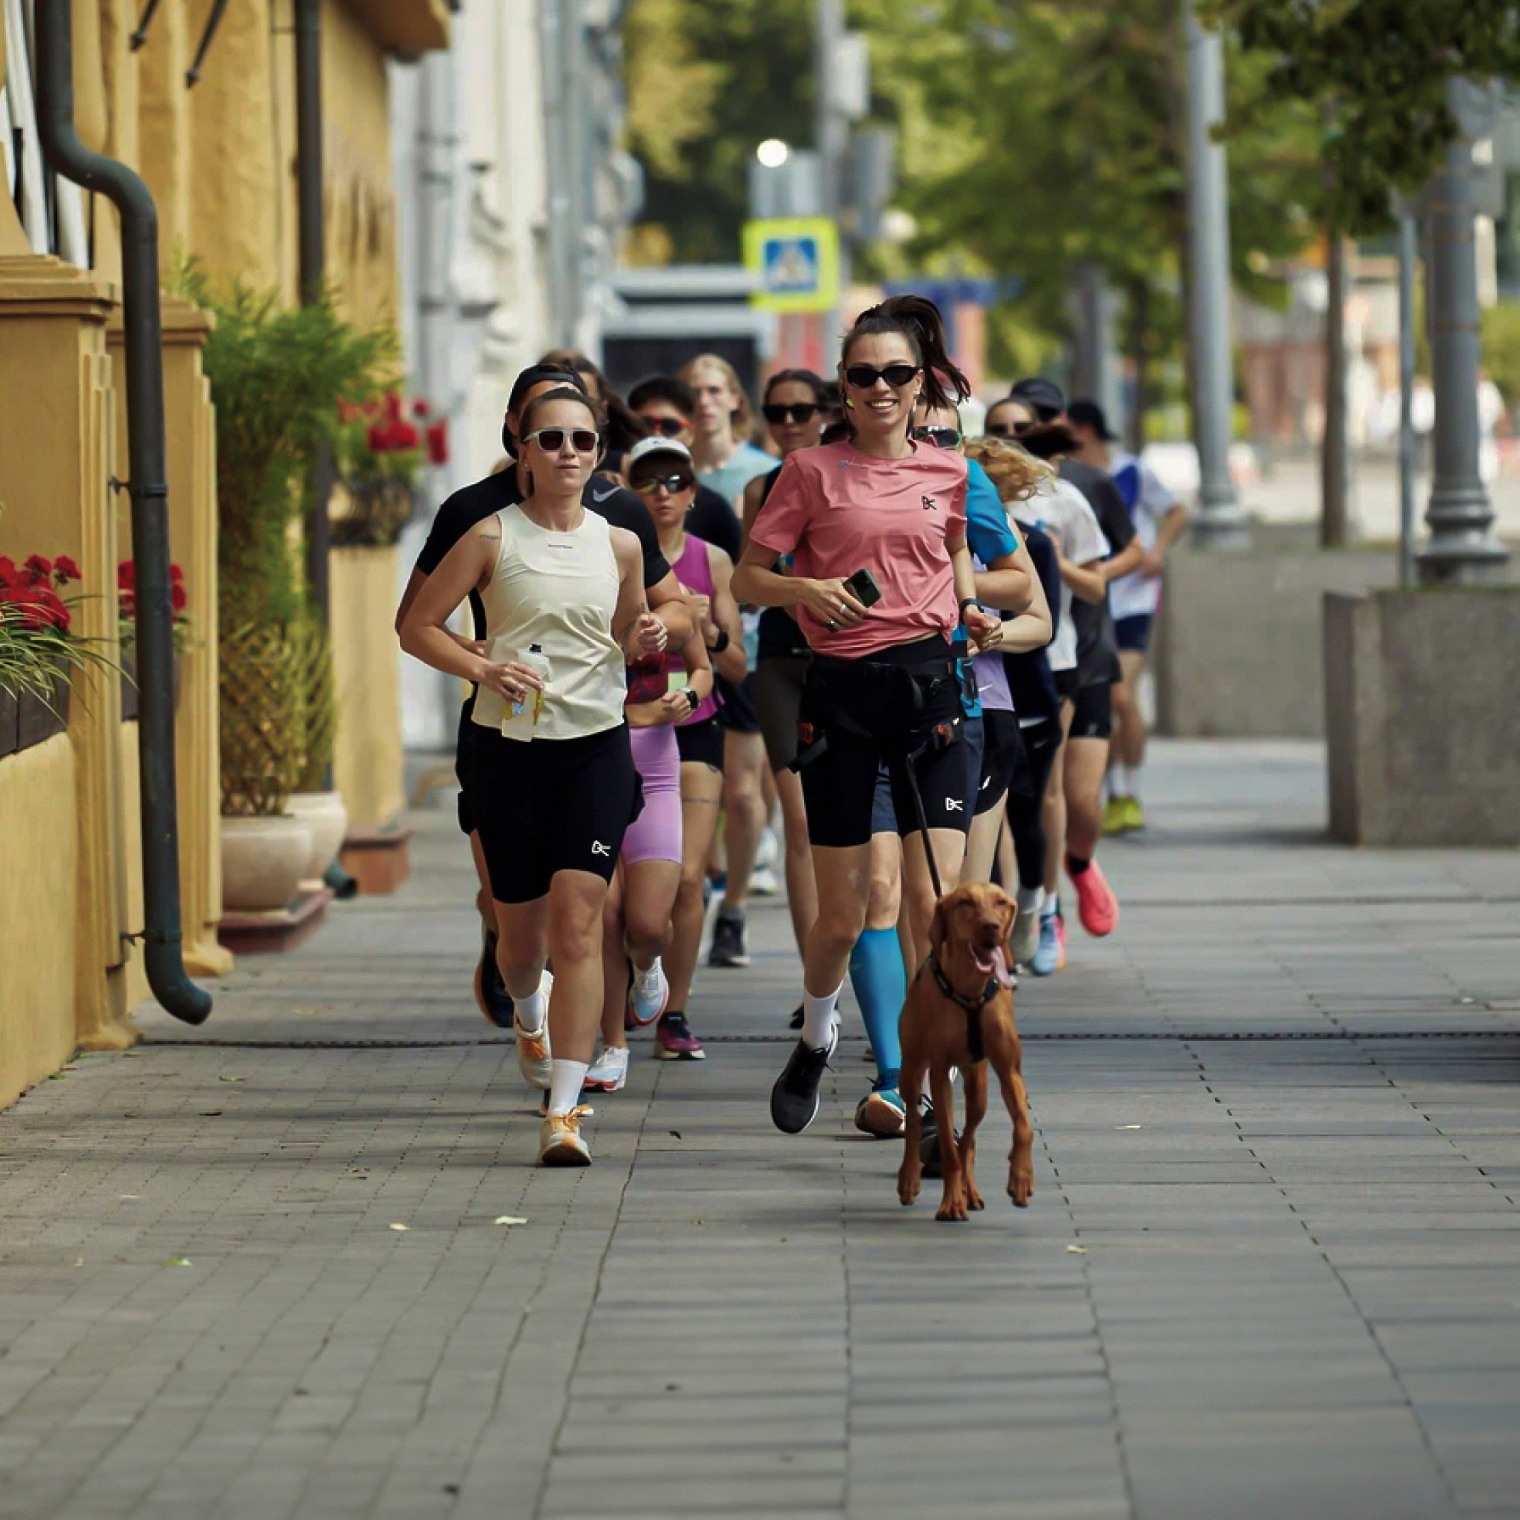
(818, 1017)
(531, 1011)
(1131, 777)
(1029, 900)
(565, 1086)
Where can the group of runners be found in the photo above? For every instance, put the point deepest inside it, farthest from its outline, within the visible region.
(911, 647)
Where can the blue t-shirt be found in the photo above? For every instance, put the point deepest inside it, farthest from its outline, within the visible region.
(989, 536)
(730, 479)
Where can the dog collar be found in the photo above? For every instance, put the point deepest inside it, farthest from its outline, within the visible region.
(943, 983)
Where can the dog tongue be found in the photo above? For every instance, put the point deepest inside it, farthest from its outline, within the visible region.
(1000, 968)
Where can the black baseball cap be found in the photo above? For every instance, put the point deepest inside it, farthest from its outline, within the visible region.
(535, 374)
(1044, 396)
(1086, 413)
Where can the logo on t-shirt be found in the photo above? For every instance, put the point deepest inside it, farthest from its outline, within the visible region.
(929, 504)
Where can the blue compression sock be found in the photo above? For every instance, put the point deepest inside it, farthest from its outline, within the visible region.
(881, 985)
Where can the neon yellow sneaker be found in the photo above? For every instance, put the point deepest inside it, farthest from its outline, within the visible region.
(1134, 814)
(1115, 816)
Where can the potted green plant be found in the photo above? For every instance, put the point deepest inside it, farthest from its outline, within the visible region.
(277, 375)
(314, 799)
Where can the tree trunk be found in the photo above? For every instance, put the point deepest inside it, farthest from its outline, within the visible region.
(1139, 326)
(1333, 449)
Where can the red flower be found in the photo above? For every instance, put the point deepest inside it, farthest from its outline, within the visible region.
(404, 436)
(177, 597)
(376, 438)
(419, 408)
(39, 570)
(41, 608)
(7, 568)
(65, 570)
(126, 602)
(176, 575)
(393, 406)
(438, 442)
(126, 575)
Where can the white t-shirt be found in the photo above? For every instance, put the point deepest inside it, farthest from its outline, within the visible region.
(1148, 501)
(1062, 511)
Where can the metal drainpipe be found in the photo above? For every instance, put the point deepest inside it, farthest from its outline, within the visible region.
(308, 18)
(162, 940)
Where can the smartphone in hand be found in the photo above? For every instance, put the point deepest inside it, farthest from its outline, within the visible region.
(862, 586)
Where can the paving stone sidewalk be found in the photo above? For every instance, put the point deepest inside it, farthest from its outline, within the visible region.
(1272, 1267)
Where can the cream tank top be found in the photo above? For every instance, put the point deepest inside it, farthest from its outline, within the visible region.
(559, 591)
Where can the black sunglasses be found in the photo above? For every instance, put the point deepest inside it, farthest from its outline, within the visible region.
(802, 411)
(668, 427)
(1008, 429)
(552, 440)
(864, 376)
(647, 485)
(940, 437)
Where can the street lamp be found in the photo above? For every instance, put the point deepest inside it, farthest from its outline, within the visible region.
(772, 153)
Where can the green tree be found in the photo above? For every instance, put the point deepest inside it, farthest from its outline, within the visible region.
(1375, 73)
(708, 80)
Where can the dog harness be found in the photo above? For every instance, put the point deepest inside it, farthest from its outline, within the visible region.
(973, 1010)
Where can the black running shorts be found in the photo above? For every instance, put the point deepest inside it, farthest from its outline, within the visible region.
(1003, 759)
(839, 784)
(779, 679)
(1092, 712)
(702, 743)
(550, 805)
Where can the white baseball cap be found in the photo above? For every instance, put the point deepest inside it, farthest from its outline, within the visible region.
(645, 448)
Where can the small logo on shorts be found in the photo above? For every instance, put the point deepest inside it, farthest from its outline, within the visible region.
(986, 782)
(929, 504)
(598, 848)
(954, 805)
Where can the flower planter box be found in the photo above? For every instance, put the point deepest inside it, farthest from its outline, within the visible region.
(129, 693)
(37, 721)
(10, 724)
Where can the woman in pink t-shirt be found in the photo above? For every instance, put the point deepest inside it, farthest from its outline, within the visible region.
(883, 680)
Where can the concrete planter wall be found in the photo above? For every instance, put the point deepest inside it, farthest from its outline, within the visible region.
(1237, 651)
(1422, 710)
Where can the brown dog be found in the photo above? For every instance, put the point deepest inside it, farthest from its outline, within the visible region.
(959, 1012)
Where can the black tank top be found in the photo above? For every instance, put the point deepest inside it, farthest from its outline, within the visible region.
(779, 634)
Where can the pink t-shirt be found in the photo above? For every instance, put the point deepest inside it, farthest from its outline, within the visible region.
(837, 510)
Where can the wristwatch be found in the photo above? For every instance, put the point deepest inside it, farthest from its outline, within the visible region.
(720, 643)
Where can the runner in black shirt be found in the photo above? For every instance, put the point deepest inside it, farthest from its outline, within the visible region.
(458, 514)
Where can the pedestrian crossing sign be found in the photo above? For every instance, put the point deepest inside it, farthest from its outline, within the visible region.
(795, 261)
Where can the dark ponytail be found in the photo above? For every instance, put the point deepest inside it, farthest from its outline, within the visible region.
(918, 319)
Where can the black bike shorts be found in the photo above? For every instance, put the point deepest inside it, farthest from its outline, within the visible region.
(548, 805)
(1004, 764)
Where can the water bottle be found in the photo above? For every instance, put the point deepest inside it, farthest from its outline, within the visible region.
(523, 712)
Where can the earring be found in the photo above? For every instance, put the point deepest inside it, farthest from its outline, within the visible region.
(849, 405)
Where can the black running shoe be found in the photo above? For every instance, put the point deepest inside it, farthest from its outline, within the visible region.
(490, 992)
(728, 940)
(928, 1149)
(794, 1098)
(795, 1022)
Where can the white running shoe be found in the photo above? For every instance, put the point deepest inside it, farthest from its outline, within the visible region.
(609, 1071)
(560, 1143)
(533, 1056)
(649, 994)
(763, 882)
(767, 852)
(1026, 937)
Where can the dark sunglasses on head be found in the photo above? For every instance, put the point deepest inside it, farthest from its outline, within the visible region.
(647, 485)
(940, 437)
(864, 376)
(801, 411)
(552, 440)
(668, 427)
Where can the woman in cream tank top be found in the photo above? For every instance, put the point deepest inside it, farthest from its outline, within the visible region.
(552, 775)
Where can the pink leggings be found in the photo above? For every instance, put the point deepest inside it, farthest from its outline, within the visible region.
(656, 833)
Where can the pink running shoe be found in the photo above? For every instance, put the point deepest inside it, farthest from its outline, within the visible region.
(1097, 906)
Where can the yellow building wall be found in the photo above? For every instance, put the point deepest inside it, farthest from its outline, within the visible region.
(367, 756)
(38, 909)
